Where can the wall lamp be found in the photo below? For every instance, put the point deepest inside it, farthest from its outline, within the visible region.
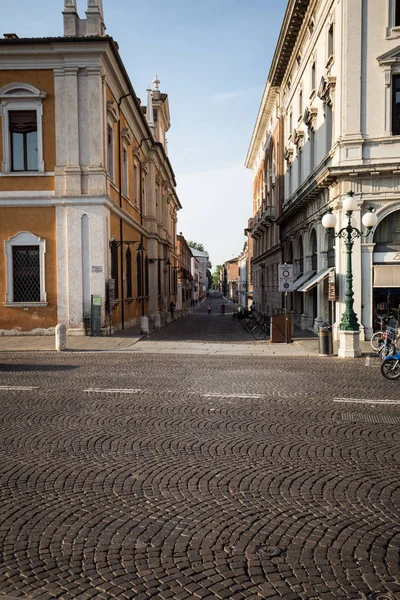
(113, 243)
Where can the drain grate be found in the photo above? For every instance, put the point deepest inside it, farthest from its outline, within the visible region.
(268, 551)
(353, 417)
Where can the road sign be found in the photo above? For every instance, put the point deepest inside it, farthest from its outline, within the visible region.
(286, 278)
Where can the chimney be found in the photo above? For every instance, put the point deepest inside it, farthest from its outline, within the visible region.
(94, 18)
(71, 18)
(10, 36)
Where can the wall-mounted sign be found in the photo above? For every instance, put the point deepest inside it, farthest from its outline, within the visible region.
(332, 286)
(286, 278)
(97, 269)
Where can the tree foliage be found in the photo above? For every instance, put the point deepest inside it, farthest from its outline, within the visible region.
(215, 275)
(196, 245)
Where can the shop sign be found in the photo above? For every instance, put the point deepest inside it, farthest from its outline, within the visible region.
(332, 286)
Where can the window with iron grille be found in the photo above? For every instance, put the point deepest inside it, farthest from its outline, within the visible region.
(128, 275)
(114, 268)
(26, 273)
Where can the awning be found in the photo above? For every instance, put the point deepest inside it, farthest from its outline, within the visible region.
(302, 279)
(387, 276)
(316, 279)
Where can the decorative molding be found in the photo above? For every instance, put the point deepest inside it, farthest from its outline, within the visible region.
(24, 238)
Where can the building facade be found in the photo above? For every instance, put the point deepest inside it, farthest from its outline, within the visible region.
(185, 278)
(203, 261)
(88, 205)
(336, 76)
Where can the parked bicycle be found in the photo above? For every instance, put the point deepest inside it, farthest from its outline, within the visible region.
(390, 367)
(378, 337)
(390, 341)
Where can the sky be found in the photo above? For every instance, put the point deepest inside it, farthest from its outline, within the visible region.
(212, 58)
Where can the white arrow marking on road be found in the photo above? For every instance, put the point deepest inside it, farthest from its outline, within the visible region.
(112, 391)
(365, 401)
(20, 388)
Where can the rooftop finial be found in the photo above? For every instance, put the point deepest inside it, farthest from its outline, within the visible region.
(156, 84)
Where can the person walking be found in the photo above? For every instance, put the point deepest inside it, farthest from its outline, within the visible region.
(209, 308)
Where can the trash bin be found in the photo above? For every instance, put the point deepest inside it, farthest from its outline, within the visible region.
(325, 343)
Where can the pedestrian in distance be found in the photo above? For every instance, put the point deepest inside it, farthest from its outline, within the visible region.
(222, 309)
(209, 308)
(172, 308)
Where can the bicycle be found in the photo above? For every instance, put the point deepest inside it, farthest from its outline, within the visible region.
(390, 367)
(388, 347)
(261, 330)
(379, 336)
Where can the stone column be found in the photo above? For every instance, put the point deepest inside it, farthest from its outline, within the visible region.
(72, 169)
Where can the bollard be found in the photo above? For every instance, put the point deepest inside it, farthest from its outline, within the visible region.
(157, 321)
(168, 317)
(144, 325)
(61, 337)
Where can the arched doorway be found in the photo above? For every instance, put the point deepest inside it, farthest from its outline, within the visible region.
(386, 285)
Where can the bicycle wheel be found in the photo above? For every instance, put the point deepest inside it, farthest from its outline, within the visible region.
(259, 332)
(377, 341)
(387, 350)
(249, 325)
(391, 368)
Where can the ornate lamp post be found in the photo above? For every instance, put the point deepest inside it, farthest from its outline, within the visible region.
(349, 326)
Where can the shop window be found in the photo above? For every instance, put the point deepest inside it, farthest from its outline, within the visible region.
(21, 112)
(25, 259)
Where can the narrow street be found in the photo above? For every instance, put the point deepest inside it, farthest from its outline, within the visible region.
(180, 476)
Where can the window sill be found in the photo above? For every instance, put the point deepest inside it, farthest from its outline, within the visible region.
(26, 174)
(25, 304)
(128, 300)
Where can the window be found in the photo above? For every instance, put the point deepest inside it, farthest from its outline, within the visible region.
(397, 14)
(144, 199)
(314, 252)
(396, 105)
(110, 151)
(128, 274)
(23, 139)
(125, 171)
(313, 76)
(21, 112)
(136, 184)
(330, 41)
(139, 275)
(25, 280)
(114, 268)
(301, 102)
(146, 277)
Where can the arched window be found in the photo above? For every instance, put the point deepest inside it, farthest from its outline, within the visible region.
(128, 274)
(314, 251)
(301, 257)
(387, 233)
(331, 251)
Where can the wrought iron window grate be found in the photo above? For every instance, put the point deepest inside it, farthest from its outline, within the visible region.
(26, 273)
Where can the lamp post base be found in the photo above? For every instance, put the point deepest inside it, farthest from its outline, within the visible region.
(349, 344)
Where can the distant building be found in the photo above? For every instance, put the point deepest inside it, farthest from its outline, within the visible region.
(203, 262)
(185, 278)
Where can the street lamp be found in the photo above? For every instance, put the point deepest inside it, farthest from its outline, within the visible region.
(349, 233)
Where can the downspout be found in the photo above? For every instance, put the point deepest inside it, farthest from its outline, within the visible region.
(120, 219)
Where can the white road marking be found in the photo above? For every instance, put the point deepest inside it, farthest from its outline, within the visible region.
(20, 388)
(233, 396)
(365, 401)
(112, 391)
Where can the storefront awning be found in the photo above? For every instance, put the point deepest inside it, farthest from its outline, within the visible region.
(387, 276)
(302, 279)
(315, 280)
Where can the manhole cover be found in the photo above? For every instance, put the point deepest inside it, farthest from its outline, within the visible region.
(380, 596)
(269, 551)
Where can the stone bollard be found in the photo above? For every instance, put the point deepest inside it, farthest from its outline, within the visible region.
(61, 337)
(144, 325)
(168, 317)
(157, 321)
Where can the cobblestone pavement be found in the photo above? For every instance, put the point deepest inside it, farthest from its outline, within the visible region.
(183, 477)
